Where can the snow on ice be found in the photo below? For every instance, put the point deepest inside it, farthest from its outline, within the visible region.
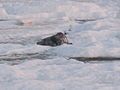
(94, 31)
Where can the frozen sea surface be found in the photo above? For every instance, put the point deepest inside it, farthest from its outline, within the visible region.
(93, 28)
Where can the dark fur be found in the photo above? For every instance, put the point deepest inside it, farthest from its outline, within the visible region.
(54, 40)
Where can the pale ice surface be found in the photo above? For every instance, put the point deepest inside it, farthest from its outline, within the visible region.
(27, 66)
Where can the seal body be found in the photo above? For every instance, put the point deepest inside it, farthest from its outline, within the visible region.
(55, 40)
